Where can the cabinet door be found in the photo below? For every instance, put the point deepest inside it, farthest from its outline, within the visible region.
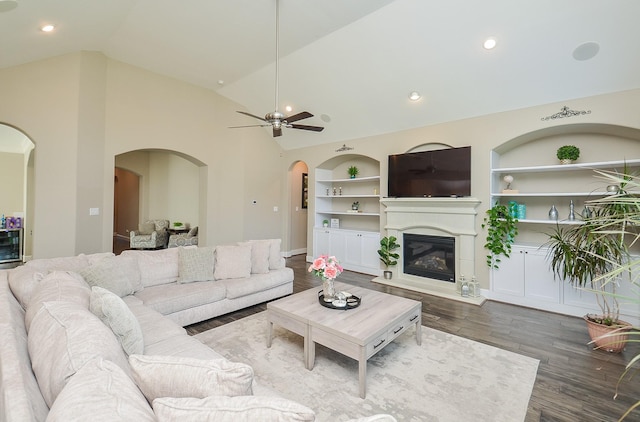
(338, 244)
(539, 281)
(321, 242)
(353, 251)
(509, 278)
(370, 246)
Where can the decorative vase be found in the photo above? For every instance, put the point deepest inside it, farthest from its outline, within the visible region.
(553, 213)
(352, 176)
(328, 289)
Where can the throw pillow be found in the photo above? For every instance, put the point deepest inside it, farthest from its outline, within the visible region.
(195, 264)
(174, 376)
(57, 286)
(259, 255)
(63, 337)
(117, 274)
(116, 315)
(193, 231)
(146, 228)
(232, 262)
(100, 392)
(66, 263)
(23, 281)
(276, 261)
(156, 267)
(230, 409)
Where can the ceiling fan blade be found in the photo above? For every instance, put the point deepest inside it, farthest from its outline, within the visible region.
(252, 115)
(277, 132)
(299, 116)
(306, 127)
(236, 127)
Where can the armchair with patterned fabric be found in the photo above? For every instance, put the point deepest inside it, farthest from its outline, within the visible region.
(184, 239)
(152, 234)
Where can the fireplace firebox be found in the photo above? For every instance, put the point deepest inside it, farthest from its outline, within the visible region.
(429, 256)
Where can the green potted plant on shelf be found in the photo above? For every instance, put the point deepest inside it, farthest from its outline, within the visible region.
(568, 154)
(502, 229)
(353, 171)
(325, 223)
(594, 256)
(387, 256)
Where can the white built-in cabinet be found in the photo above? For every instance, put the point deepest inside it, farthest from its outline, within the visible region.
(353, 236)
(526, 278)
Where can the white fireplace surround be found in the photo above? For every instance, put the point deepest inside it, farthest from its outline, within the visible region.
(451, 217)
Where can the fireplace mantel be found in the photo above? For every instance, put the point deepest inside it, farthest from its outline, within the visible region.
(455, 217)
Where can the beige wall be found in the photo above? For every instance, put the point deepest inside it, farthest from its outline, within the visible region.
(12, 172)
(82, 109)
(486, 133)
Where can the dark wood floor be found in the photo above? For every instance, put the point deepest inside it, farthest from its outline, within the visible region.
(574, 383)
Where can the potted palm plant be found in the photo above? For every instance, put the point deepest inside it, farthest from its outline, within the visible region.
(593, 256)
(387, 256)
(353, 171)
(502, 228)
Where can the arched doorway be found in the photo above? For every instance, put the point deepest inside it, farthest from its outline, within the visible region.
(158, 184)
(16, 166)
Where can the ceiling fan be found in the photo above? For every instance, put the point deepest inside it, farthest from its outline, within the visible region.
(276, 119)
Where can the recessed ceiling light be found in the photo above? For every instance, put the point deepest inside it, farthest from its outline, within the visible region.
(47, 28)
(414, 96)
(288, 109)
(489, 43)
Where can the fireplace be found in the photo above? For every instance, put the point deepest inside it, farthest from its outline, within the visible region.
(450, 219)
(429, 256)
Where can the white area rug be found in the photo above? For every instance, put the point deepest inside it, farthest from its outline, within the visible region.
(447, 378)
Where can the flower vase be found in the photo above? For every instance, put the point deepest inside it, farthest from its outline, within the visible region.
(328, 289)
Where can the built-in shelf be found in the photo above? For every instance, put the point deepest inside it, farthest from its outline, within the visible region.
(350, 180)
(568, 167)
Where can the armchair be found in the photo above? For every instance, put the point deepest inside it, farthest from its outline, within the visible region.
(152, 234)
(184, 239)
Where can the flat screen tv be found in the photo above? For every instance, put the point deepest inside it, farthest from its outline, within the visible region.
(435, 173)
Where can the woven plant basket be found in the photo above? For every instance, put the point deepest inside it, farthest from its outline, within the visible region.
(611, 338)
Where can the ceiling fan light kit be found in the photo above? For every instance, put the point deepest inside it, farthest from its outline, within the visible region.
(276, 119)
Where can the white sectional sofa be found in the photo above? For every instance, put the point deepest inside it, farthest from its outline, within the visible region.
(100, 337)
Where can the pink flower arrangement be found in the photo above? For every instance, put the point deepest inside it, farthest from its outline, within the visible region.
(326, 267)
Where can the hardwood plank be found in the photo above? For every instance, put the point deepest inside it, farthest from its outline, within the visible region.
(574, 382)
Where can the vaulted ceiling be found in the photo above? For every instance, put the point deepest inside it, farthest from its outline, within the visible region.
(352, 63)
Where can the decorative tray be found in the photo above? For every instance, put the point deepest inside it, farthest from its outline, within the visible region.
(350, 302)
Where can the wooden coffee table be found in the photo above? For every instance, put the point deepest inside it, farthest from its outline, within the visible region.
(357, 333)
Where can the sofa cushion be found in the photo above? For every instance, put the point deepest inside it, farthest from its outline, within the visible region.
(57, 286)
(94, 258)
(118, 274)
(232, 262)
(170, 298)
(257, 283)
(23, 281)
(195, 264)
(20, 397)
(175, 376)
(100, 392)
(63, 337)
(260, 250)
(116, 315)
(155, 327)
(67, 263)
(156, 267)
(230, 409)
(147, 227)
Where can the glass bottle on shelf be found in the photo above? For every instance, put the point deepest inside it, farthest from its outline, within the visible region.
(572, 213)
(553, 213)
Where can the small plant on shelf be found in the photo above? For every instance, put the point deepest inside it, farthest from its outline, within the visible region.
(502, 229)
(568, 153)
(353, 171)
(387, 255)
(325, 223)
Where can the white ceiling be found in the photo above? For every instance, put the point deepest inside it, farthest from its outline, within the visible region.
(352, 63)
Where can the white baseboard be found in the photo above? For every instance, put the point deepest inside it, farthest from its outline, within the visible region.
(289, 254)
